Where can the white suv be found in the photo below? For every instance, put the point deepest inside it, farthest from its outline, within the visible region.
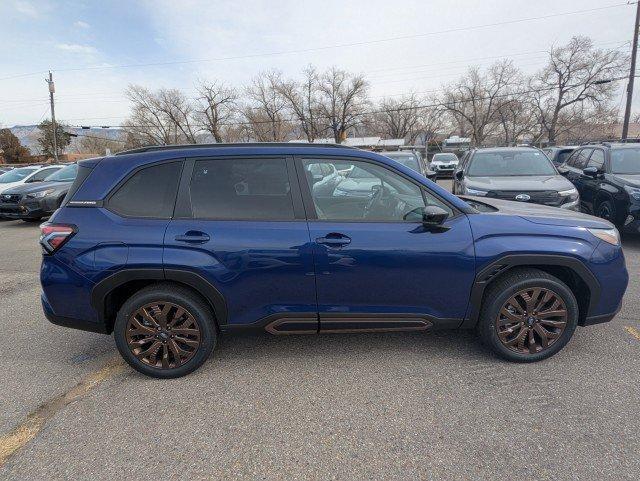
(444, 164)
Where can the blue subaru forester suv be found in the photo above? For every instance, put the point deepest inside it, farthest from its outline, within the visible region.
(168, 247)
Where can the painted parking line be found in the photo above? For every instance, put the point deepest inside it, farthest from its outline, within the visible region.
(633, 331)
(22, 434)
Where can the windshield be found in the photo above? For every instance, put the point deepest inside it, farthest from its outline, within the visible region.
(510, 163)
(444, 158)
(16, 175)
(408, 160)
(67, 174)
(623, 161)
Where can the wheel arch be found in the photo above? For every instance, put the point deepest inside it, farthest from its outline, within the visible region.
(569, 270)
(110, 294)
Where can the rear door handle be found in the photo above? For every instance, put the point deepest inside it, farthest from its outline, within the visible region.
(193, 237)
(334, 239)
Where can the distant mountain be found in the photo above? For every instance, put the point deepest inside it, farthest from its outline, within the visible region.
(29, 133)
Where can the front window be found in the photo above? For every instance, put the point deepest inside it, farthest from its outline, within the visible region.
(625, 161)
(16, 175)
(408, 160)
(510, 164)
(366, 192)
(67, 174)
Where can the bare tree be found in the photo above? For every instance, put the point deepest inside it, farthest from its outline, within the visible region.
(303, 103)
(162, 117)
(516, 117)
(577, 73)
(266, 112)
(97, 144)
(398, 118)
(343, 101)
(216, 108)
(476, 98)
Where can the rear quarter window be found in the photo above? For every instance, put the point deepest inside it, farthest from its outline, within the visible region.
(150, 192)
(83, 173)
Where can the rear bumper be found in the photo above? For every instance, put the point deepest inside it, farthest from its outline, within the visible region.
(73, 323)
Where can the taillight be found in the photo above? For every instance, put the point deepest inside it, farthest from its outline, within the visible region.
(53, 236)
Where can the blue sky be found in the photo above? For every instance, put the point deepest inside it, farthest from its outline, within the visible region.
(87, 42)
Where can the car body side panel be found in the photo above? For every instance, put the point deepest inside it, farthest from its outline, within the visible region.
(503, 235)
(260, 268)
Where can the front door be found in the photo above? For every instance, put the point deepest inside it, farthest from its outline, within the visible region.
(377, 267)
(240, 225)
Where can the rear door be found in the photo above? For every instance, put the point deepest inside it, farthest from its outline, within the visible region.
(376, 265)
(239, 224)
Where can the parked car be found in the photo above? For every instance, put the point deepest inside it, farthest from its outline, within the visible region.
(26, 175)
(522, 174)
(444, 164)
(167, 247)
(413, 161)
(559, 154)
(607, 176)
(33, 201)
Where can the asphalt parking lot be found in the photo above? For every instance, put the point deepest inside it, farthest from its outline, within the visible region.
(366, 406)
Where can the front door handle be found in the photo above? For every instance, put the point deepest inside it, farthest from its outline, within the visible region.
(193, 237)
(334, 239)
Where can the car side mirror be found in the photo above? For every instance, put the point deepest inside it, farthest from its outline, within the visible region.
(459, 175)
(591, 172)
(430, 216)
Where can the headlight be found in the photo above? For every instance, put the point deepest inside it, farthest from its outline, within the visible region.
(569, 195)
(612, 236)
(40, 194)
(479, 193)
(633, 191)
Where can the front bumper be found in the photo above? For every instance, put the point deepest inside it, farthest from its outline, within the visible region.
(26, 208)
(443, 170)
(632, 221)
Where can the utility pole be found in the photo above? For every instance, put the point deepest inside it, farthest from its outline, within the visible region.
(52, 89)
(632, 74)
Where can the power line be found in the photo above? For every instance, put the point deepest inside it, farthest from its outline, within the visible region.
(335, 46)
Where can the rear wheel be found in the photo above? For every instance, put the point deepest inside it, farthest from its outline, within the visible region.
(528, 316)
(165, 331)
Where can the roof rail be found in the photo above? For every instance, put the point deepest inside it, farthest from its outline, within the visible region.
(153, 148)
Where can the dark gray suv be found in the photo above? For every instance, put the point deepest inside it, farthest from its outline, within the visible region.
(521, 174)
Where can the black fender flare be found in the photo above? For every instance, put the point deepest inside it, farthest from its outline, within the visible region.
(504, 263)
(207, 290)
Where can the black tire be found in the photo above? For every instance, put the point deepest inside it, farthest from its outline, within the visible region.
(184, 298)
(607, 210)
(504, 289)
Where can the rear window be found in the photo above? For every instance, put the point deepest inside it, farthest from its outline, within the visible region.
(241, 189)
(83, 173)
(150, 192)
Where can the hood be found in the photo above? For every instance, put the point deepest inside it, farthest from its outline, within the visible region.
(525, 183)
(631, 179)
(34, 187)
(542, 214)
(9, 185)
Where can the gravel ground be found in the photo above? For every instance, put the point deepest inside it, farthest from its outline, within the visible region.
(369, 406)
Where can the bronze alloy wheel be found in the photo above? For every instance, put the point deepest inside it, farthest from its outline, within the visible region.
(163, 335)
(531, 320)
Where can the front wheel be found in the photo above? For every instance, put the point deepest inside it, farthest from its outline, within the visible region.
(528, 316)
(165, 331)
